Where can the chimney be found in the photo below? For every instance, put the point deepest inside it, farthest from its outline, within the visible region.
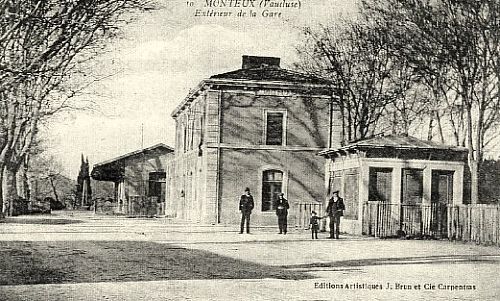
(259, 62)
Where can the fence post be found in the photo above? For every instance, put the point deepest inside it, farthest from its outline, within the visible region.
(497, 226)
(480, 226)
(448, 221)
(297, 215)
(469, 226)
(301, 215)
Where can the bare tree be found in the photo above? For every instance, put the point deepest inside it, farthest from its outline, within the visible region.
(42, 44)
(353, 54)
(412, 106)
(45, 168)
(455, 46)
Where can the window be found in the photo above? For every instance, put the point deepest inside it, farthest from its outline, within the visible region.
(346, 182)
(275, 128)
(380, 184)
(351, 194)
(272, 182)
(413, 186)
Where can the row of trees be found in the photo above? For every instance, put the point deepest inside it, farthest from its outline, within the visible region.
(44, 48)
(405, 66)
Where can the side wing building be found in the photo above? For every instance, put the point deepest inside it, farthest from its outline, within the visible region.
(139, 180)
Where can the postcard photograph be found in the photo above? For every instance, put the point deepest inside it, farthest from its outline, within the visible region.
(249, 150)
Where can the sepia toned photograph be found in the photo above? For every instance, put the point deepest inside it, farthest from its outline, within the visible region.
(249, 150)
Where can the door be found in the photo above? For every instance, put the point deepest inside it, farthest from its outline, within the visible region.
(272, 184)
(379, 190)
(441, 197)
(411, 202)
(156, 193)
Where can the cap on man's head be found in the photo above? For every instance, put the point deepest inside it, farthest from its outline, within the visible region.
(335, 192)
(282, 194)
(247, 189)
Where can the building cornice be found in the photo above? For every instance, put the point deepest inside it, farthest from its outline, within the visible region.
(264, 147)
(245, 84)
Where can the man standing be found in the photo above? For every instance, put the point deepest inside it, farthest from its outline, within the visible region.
(282, 207)
(335, 210)
(246, 206)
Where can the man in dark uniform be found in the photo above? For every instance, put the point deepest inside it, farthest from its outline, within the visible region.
(282, 207)
(246, 206)
(335, 210)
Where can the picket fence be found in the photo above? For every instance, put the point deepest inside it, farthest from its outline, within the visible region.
(478, 223)
(303, 214)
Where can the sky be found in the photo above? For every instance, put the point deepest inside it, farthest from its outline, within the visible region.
(162, 54)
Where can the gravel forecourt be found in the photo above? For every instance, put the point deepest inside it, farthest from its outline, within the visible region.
(79, 256)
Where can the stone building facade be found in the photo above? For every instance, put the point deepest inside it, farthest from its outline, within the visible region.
(260, 127)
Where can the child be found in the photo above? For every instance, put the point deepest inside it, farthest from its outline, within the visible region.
(314, 223)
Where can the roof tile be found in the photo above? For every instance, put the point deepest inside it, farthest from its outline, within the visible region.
(272, 73)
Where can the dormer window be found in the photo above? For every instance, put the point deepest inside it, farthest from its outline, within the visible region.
(275, 128)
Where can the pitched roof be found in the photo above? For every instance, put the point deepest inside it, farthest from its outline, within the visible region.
(111, 169)
(272, 73)
(400, 141)
(397, 142)
(157, 147)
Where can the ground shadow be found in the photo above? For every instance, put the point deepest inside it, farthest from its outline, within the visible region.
(39, 221)
(118, 261)
(437, 259)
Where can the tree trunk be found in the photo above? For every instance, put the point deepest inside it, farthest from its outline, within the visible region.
(54, 190)
(9, 188)
(431, 127)
(33, 189)
(2, 215)
(440, 127)
(474, 184)
(394, 123)
(21, 179)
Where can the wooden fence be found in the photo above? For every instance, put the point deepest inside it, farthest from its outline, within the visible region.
(303, 214)
(390, 220)
(476, 223)
(381, 219)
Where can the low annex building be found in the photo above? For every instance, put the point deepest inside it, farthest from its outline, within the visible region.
(397, 184)
(260, 127)
(139, 180)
